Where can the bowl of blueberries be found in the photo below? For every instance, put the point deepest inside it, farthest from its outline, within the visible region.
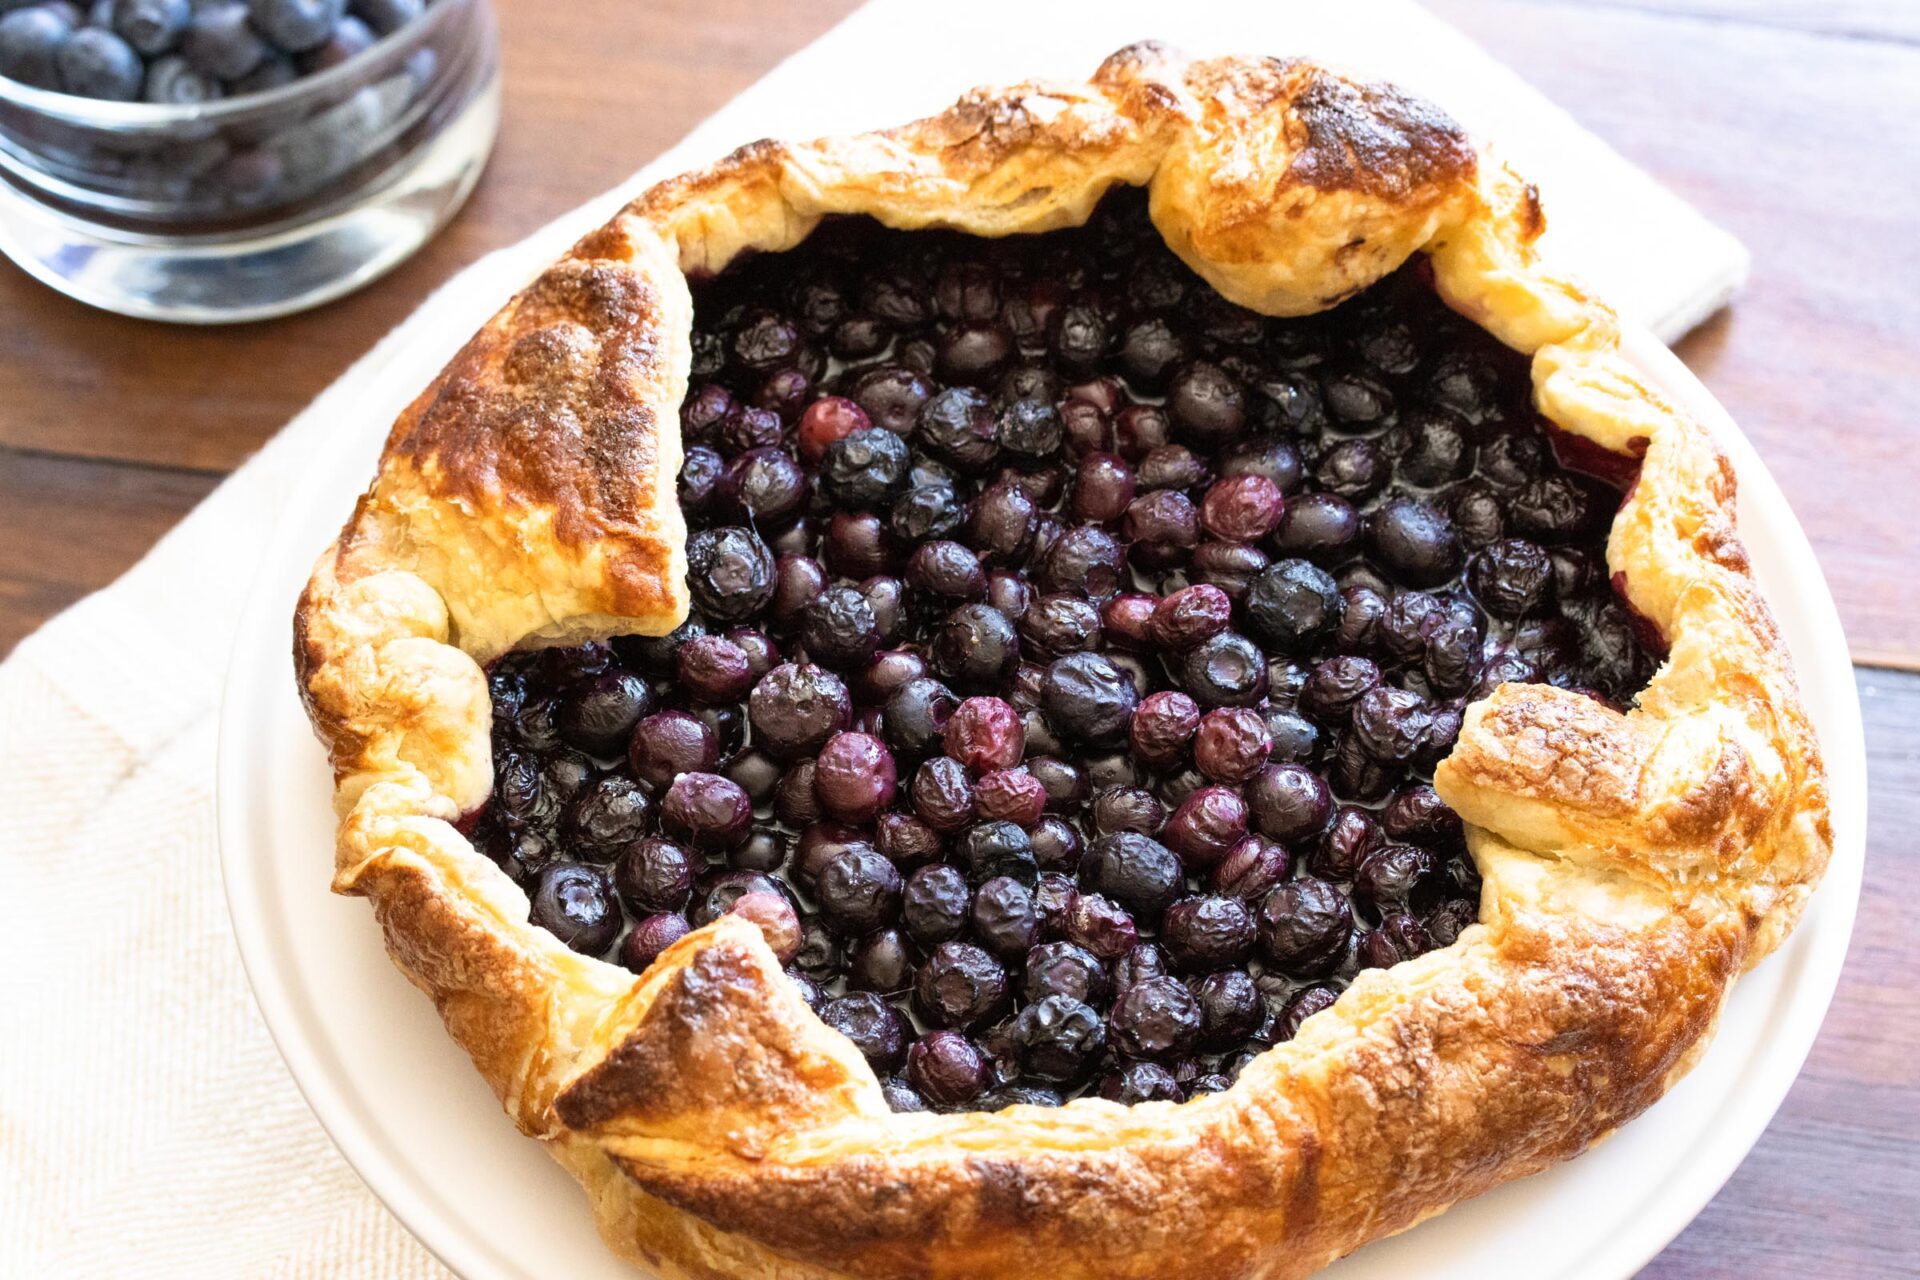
(207, 161)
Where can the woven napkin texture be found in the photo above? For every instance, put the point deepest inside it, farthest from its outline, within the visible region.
(147, 1126)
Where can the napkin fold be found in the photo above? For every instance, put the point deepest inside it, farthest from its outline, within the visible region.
(147, 1125)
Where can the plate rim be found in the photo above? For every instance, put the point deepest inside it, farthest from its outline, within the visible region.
(1685, 1187)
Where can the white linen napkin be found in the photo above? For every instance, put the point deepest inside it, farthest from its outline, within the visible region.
(147, 1126)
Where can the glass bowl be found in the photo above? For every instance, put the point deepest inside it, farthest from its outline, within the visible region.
(256, 206)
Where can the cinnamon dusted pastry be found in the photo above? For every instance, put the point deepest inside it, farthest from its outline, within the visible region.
(1214, 723)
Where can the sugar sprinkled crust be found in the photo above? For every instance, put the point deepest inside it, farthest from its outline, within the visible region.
(1634, 863)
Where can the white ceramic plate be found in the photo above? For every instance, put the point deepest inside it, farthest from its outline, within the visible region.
(411, 1114)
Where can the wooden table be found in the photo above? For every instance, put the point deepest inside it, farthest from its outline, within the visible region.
(1793, 122)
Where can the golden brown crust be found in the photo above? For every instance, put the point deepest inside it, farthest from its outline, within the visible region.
(1634, 863)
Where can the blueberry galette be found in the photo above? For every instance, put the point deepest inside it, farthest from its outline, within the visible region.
(1116, 682)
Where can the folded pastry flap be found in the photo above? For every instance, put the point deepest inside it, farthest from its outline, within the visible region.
(1713, 781)
(513, 996)
(393, 701)
(1296, 188)
(532, 484)
(715, 1048)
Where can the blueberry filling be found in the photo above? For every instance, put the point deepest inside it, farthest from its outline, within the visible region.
(1070, 657)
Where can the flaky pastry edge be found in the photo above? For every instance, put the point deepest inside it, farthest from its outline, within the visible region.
(1634, 863)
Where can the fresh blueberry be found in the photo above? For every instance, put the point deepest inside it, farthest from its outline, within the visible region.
(220, 42)
(387, 16)
(94, 63)
(151, 26)
(30, 42)
(296, 25)
(171, 81)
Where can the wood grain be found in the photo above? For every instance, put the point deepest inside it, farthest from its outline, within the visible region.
(71, 525)
(1853, 19)
(1793, 122)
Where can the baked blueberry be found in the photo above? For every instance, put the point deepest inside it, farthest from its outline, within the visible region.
(884, 961)
(1303, 926)
(1231, 744)
(1062, 968)
(1059, 1038)
(1005, 918)
(1224, 671)
(1414, 541)
(976, 648)
(935, 903)
(1511, 578)
(991, 849)
(1118, 809)
(1231, 1011)
(649, 937)
(1087, 697)
(1293, 606)
(706, 810)
(1206, 825)
(1134, 870)
(1099, 924)
(946, 1069)
(1057, 845)
(1391, 724)
(915, 716)
(1201, 934)
(1322, 527)
(576, 905)
(960, 986)
(607, 815)
(1084, 559)
(855, 777)
(729, 572)
(1252, 869)
(1010, 795)
(839, 629)
(1333, 686)
(1399, 876)
(865, 469)
(666, 745)
(796, 708)
(858, 890)
(1207, 404)
(1163, 727)
(1155, 1019)
(1133, 1082)
(942, 795)
(1288, 802)
(600, 715)
(876, 1028)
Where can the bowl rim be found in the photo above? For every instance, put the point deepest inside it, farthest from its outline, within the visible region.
(100, 113)
(1682, 1189)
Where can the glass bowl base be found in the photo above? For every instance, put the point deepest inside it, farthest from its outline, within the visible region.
(264, 271)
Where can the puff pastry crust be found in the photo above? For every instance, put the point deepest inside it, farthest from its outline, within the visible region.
(1635, 864)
